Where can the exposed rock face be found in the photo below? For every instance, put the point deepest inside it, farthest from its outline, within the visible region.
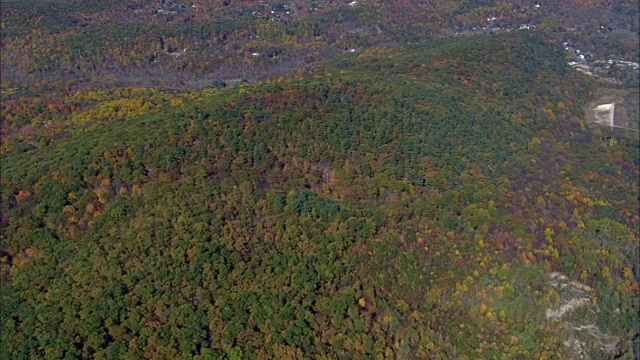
(572, 295)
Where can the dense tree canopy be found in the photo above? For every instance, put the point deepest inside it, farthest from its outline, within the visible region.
(402, 202)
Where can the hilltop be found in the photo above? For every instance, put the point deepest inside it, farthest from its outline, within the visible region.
(404, 201)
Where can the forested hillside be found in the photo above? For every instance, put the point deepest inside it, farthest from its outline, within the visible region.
(403, 202)
(66, 44)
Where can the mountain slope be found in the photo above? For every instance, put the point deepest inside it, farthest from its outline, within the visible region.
(397, 203)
